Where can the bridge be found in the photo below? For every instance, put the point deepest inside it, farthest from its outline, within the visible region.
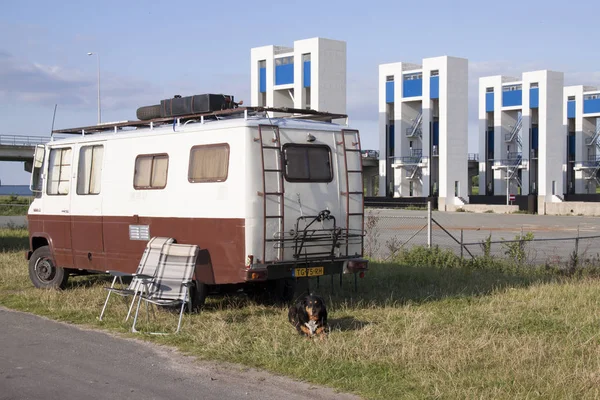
(20, 148)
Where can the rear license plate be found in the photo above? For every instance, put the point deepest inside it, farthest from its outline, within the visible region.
(312, 271)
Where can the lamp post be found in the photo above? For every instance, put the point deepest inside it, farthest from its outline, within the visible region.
(98, 59)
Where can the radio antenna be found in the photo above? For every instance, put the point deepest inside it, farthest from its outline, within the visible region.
(52, 130)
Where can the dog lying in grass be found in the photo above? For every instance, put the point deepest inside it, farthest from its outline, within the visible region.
(309, 316)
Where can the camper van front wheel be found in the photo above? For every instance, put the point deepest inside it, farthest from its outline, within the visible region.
(44, 273)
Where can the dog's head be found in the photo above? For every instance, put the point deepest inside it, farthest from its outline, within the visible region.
(314, 306)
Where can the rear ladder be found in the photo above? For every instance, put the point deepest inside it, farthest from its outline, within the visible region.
(272, 149)
(352, 175)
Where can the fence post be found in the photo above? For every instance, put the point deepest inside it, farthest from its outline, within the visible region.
(576, 255)
(461, 244)
(429, 224)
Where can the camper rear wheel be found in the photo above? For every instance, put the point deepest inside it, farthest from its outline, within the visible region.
(44, 273)
(148, 112)
(199, 292)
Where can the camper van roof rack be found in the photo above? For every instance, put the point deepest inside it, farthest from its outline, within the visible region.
(295, 113)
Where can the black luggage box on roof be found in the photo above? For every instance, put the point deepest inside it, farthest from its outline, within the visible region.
(201, 103)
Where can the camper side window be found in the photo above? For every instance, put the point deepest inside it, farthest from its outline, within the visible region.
(151, 171)
(59, 171)
(209, 163)
(90, 169)
(307, 163)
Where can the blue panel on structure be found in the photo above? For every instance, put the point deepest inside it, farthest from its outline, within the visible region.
(262, 80)
(489, 102)
(490, 143)
(389, 92)
(591, 106)
(534, 138)
(571, 109)
(512, 98)
(572, 146)
(435, 137)
(412, 88)
(434, 87)
(306, 67)
(392, 135)
(284, 74)
(534, 98)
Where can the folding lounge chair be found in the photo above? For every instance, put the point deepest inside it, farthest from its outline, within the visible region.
(147, 267)
(172, 281)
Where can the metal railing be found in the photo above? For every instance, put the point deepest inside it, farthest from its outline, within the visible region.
(406, 160)
(412, 172)
(415, 129)
(594, 139)
(514, 133)
(15, 140)
(473, 156)
(370, 153)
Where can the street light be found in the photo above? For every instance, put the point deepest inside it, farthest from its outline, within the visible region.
(98, 59)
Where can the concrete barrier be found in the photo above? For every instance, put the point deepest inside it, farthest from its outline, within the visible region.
(571, 208)
(483, 208)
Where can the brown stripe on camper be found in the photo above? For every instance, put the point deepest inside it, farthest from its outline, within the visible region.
(103, 243)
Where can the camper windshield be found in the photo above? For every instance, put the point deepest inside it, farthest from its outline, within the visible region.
(307, 163)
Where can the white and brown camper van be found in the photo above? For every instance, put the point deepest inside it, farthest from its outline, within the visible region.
(268, 199)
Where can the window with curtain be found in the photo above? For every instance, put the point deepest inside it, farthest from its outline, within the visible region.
(151, 171)
(307, 163)
(90, 169)
(59, 171)
(209, 163)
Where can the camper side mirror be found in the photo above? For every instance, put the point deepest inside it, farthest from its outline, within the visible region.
(36, 173)
(38, 156)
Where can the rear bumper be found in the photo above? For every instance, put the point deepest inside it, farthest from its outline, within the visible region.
(264, 272)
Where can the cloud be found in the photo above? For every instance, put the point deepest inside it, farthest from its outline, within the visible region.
(35, 83)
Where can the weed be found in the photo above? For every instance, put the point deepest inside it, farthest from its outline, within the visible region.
(515, 250)
(371, 235)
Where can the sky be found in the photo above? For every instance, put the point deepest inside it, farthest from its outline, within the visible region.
(151, 50)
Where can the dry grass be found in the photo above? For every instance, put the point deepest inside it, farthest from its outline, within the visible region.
(408, 332)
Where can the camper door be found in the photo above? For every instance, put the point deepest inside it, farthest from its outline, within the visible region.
(56, 205)
(313, 214)
(86, 208)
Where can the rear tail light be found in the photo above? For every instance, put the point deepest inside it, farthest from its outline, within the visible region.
(357, 265)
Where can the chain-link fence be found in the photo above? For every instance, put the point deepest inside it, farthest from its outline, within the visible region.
(390, 231)
(579, 251)
(388, 234)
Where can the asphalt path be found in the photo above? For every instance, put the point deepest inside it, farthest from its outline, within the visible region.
(12, 220)
(44, 359)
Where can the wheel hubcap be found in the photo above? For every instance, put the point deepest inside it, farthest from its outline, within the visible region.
(45, 270)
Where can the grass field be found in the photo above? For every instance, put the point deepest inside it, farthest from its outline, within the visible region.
(409, 332)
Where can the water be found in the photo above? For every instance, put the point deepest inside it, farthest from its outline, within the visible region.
(19, 190)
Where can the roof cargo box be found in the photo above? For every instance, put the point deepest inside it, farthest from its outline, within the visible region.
(201, 103)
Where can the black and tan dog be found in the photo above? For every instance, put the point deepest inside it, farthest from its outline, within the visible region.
(309, 316)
